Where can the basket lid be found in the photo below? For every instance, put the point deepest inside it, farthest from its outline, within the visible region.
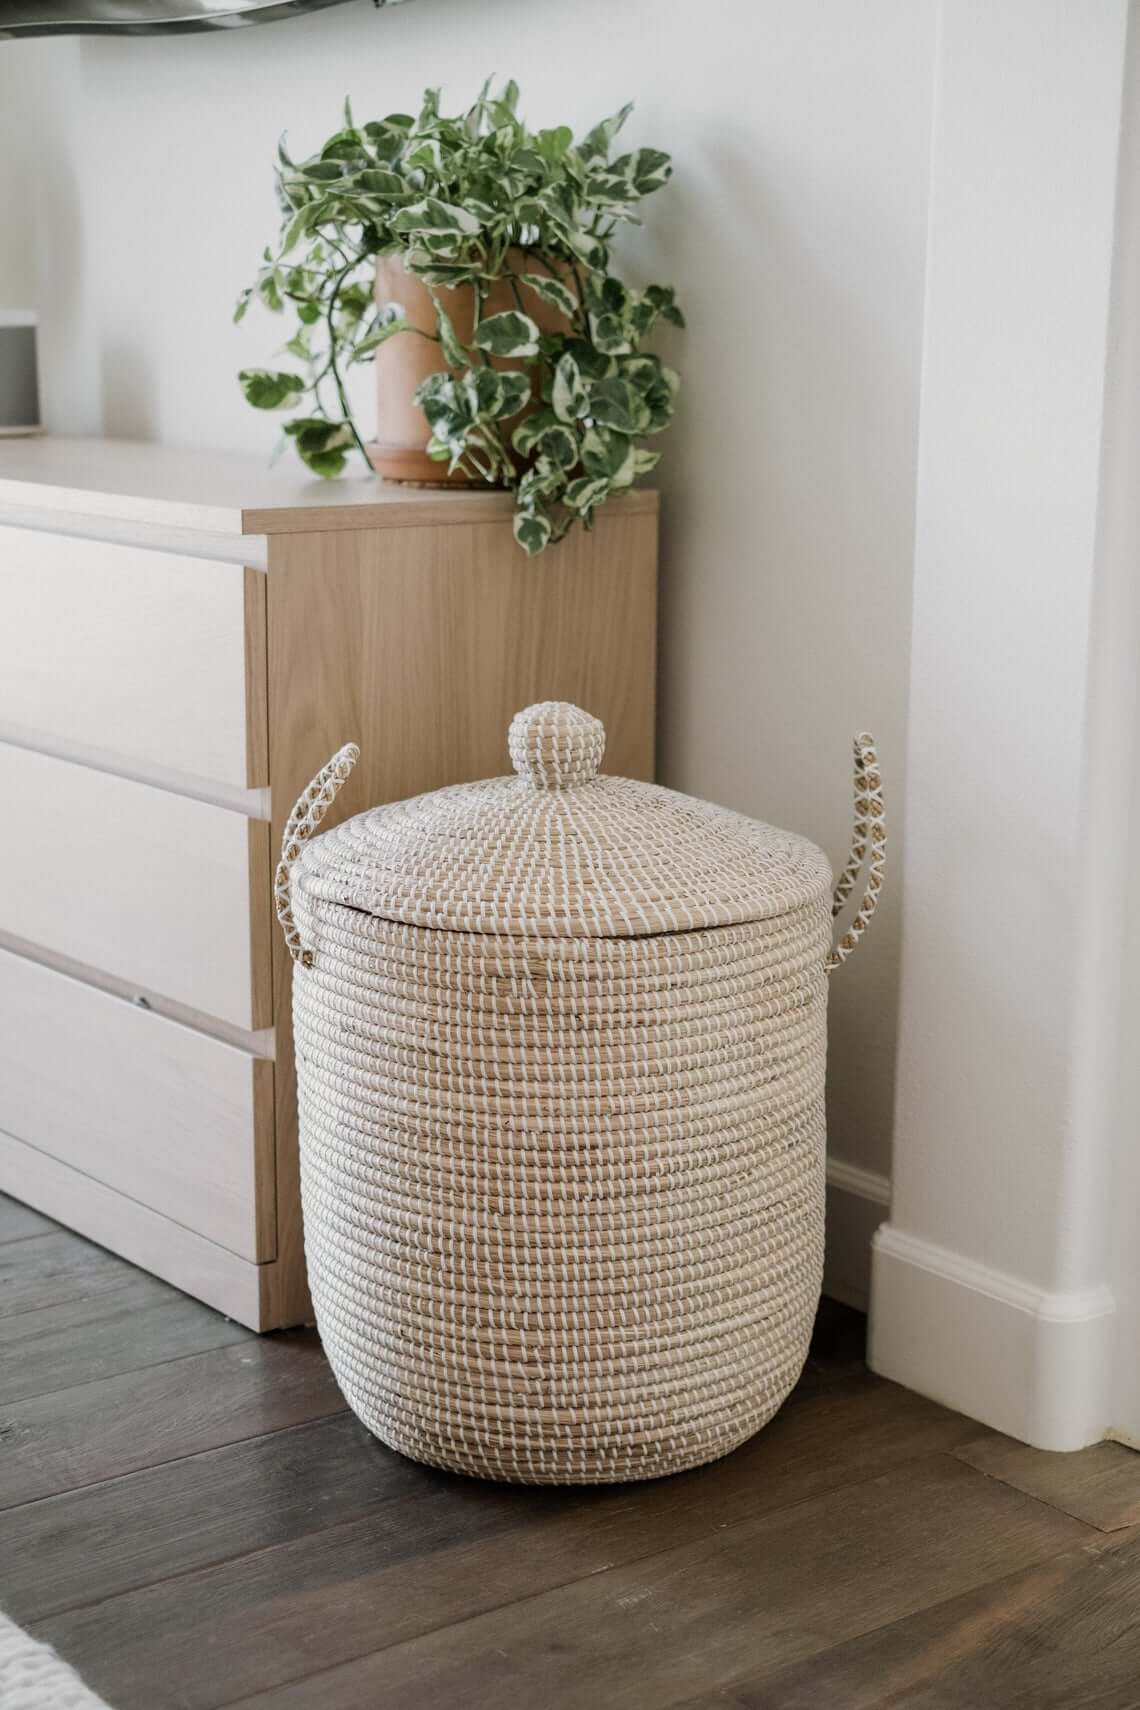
(561, 850)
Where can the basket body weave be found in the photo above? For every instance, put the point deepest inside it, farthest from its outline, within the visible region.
(563, 1200)
(563, 1192)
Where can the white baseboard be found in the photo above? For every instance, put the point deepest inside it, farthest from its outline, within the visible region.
(857, 1202)
(1028, 1362)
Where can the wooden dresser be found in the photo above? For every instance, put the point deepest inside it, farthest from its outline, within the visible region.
(185, 638)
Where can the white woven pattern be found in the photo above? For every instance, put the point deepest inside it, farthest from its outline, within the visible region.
(870, 834)
(308, 812)
(553, 745)
(563, 1199)
(562, 1171)
(588, 856)
(33, 1677)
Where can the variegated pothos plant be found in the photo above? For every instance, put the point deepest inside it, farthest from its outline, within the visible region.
(459, 199)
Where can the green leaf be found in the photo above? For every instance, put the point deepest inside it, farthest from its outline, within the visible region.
(444, 403)
(528, 433)
(514, 393)
(299, 226)
(649, 169)
(345, 145)
(609, 188)
(431, 215)
(545, 435)
(582, 495)
(426, 156)
(387, 138)
(322, 171)
(354, 301)
(552, 145)
(590, 361)
(321, 445)
(269, 290)
(372, 341)
(644, 461)
(266, 389)
(610, 335)
(614, 403)
(597, 142)
(657, 386)
(664, 299)
(483, 388)
(552, 291)
(544, 480)
(605, 453)
(242, 304)
(532, 531)
(569, 396)
(449, 340)
(376, 182)
(591, 250)
(509, 334)
(429, 109)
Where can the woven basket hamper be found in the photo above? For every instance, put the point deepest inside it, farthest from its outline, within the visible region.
(560, 1047)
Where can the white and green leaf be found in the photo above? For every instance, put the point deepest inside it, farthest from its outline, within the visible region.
(532, 531)
(569, 397)
(614, 403)
(509, 334)
(430, 215)
(270, 389)
(552, 291)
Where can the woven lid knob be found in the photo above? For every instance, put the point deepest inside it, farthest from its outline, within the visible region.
(554, 745)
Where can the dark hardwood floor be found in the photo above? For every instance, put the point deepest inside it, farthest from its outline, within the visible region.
(189, 1514)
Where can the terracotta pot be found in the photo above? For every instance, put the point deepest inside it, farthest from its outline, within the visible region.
(399, 452)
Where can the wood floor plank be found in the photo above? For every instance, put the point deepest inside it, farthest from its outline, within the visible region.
(467, 1554)
(1062, 1635)
(18, 1221)
(138, 1324)
(98, 1542)
(46, 1270)
(650, 1634)
(117, 1425)
(1100, 1485)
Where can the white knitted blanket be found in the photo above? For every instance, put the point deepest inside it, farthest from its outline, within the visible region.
(32, 1677)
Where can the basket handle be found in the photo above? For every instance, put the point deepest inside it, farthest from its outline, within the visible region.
(308, 811)
(870, 833)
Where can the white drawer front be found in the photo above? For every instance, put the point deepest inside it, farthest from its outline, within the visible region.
(164, 1115)
(157, 889)
(138, 653)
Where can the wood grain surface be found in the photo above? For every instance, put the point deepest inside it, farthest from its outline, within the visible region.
(193, 1518)
(420, 645)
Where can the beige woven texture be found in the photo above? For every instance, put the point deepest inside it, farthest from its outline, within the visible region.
(560, 1045)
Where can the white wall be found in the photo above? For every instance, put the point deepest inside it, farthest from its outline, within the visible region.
(992, 1279)
(795, 231)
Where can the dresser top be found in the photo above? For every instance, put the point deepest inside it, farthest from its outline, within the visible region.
(223, 492)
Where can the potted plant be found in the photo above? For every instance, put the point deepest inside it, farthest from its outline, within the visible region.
(469, 258)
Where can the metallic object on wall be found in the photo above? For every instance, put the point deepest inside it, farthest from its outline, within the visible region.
(145, 17)
(19, 382)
